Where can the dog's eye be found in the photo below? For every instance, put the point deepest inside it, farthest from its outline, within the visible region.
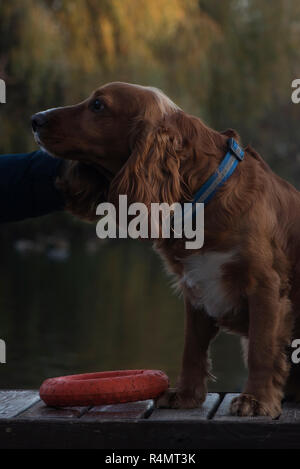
(98, 105)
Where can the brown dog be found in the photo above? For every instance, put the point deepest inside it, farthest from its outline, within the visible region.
(133, 140)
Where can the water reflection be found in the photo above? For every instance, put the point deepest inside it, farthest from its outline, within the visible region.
(104, 309)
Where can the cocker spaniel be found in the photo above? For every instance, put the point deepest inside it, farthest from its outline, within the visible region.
(133, 140)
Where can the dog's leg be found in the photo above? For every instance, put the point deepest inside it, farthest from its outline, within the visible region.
(191, 389)
(269, 335)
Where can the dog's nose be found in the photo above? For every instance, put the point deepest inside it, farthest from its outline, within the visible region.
(38, 120)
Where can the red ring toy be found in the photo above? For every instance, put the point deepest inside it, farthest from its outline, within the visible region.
(109, 387)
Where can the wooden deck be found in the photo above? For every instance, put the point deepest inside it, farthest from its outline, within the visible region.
(25, 422)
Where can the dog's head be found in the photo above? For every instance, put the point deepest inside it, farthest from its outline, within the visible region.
(99, 130)
(143, 143)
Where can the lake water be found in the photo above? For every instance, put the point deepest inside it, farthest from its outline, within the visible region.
(97, 309)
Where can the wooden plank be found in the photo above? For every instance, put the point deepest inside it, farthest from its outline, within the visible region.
(147, 434)
(40, 411)
(126, 425)
(290, 412)
(129, 411)
(201, 413)
(14, 402)
(223, 412)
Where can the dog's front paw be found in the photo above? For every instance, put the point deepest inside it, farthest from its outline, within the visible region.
(246, 405)
(175, 399)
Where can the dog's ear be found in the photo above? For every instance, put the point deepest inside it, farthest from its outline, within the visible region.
(83, 188)
(152, 172)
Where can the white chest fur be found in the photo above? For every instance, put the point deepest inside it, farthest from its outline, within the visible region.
(203, 276)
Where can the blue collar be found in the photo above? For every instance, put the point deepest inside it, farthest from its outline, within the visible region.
(234, 155)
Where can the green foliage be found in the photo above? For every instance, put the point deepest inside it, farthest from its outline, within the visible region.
(231, 62)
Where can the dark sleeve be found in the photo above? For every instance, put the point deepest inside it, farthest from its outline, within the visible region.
(27, 186)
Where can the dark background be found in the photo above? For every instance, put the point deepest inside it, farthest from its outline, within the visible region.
(70, 303)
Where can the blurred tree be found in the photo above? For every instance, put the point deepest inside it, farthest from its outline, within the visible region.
(55, 52)
(230, 62)
(251, 72)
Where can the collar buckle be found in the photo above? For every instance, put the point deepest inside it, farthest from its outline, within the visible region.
(235, 149)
